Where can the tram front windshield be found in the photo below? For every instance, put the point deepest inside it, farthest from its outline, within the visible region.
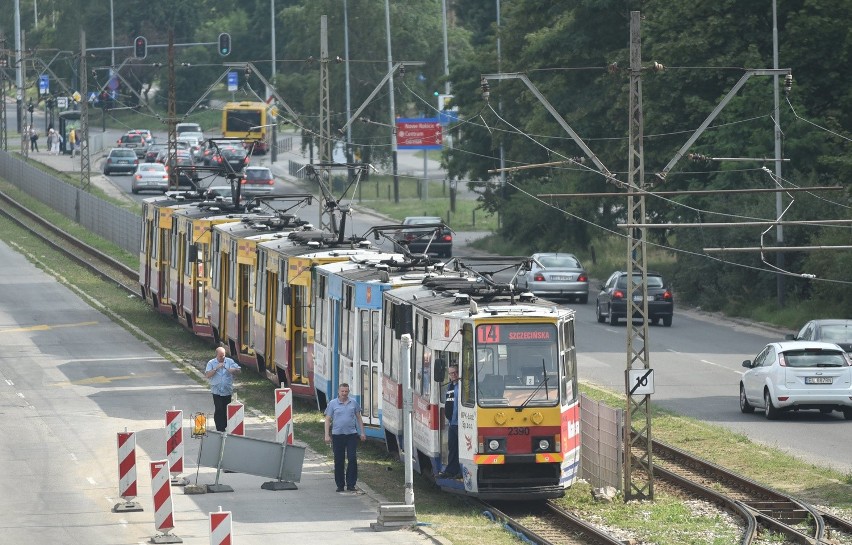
(517, 365)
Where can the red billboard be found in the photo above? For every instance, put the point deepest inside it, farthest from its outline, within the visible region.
(419, 133)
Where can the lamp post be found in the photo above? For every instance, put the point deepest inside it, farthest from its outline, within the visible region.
(392, 107)
(348, 99)
(273, 149)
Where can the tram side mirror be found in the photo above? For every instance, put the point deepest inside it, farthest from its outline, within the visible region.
(192, 253)
(440, 370)
(287, 296)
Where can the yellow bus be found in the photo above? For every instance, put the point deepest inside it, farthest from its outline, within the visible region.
(249, 121)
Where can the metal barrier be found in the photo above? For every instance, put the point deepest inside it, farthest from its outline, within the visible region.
(105, 219)
(601, 443)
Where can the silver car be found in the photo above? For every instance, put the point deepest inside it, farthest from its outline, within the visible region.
(797, 375)
(150, 176)
(556, 275)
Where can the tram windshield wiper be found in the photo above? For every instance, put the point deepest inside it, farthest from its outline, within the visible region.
(537, 388)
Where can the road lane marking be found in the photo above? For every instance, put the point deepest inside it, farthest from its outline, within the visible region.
(721, 366)
(92, 481)
(45, 327)
(9, 382)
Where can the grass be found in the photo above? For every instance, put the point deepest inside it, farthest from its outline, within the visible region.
(666, 521)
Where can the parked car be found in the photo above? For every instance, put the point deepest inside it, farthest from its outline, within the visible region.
(135, 142)
(556, 276)
(797, 375)
(838, 332)
(120, 160)
(428, 234)
(153, 176)
(256, 181)
(611, 303)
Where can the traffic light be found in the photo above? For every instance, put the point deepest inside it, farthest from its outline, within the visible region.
(140, 47)
(224, 44)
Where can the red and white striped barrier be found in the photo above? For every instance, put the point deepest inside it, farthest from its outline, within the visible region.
(284, 415)
(236, 415)
(220, 528)
(174, 445)
(163, 510)
(127, 472)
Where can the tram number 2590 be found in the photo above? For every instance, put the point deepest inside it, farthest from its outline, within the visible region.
(519, 431)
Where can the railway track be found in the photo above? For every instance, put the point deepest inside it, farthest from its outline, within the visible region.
(545, 523)
(760, 507)
(75, 249)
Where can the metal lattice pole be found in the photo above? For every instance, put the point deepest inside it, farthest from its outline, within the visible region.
(325, 154)
(83, 138)
(171, 120)
(638, 474)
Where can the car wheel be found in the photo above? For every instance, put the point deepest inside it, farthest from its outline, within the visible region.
(825, 410)
(583, 299)
(655, 320)
(768, 408)
(847, 413)
(106, 172)
(745, 406)
(134, 191)
(613, 319)
(667, 321)
(601, 318)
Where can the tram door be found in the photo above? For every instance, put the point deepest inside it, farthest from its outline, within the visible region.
(369, 368)
(244, 306)
(201, 281)
(300, 308)
(181, 269)
(226, 285)
(269, 319)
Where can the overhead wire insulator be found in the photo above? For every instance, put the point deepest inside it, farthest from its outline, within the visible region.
(612, 68)
(657, 67)
(788, 84)
(486, 89)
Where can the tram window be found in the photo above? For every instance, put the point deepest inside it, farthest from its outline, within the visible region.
(426, 388)
(232, 271)
(417, 367)
(260, 289)
(365, 339)
(346, 323)
(467, 368)
(375, 330)
(282, 285)
(217, 260)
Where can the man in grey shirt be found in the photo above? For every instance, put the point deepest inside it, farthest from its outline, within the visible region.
(342, 422)
(220, 371)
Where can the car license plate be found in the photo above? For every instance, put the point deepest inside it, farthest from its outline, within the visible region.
(637, 298)
(819, 380)
(123, 162)
(562, 278)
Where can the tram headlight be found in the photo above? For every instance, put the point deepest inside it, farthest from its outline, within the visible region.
(493, 445)
(543, 444)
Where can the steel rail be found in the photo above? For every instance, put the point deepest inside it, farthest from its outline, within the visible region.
(545, 523)
(91, 258)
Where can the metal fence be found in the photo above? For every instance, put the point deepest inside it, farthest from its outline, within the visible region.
(601, 443)
(101, 217)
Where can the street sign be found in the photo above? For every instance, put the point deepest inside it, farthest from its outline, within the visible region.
(76, 96)
(447, 112)
(233, 81)
(419, 133)
(62, 102)
(43, 84)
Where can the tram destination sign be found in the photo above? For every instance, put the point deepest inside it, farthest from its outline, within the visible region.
(419, 133)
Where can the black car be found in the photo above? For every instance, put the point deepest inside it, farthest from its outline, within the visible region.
(838, 332)
(186, 173)
(428, 234)
(134, 141)
(612, 299)
(228, 159)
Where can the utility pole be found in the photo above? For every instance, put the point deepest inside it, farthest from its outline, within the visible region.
(638, 377)
(325, 155)
(171, 119)
(779, 205)
(394, 151)
(83, 137)
(4, 124)
(273, 149)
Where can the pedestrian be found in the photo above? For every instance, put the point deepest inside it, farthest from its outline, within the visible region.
(52, 142)
(33, 139)
(451, 411)
(220, 371)
(342, 422)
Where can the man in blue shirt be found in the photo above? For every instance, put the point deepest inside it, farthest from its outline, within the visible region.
(220, 371)
(342, 422)
(451, 410)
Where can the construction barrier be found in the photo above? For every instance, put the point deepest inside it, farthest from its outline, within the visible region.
(220, 528)
(163, 510)
(284, 415)
(174, 445)
(236, 415)
(127, 472)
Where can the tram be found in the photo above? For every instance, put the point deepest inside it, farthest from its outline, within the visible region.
(519, 431)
